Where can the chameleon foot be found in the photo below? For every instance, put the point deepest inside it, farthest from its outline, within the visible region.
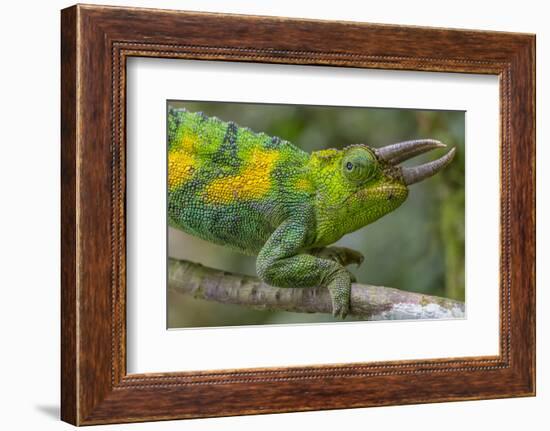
(340, 292)
(342, 255)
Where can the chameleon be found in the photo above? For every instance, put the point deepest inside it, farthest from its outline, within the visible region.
(263, 196)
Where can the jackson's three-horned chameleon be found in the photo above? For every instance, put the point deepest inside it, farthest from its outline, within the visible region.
(261, 195)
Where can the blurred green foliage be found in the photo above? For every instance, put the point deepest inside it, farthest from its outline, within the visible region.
(419, 247)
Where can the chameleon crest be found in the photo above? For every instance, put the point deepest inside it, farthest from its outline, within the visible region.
(263, 196)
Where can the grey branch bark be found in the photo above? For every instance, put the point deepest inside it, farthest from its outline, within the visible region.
(367, 302)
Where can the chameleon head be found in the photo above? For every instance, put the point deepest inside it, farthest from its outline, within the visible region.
(368, 183)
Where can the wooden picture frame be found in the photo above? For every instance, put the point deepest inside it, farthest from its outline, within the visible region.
(96, 41)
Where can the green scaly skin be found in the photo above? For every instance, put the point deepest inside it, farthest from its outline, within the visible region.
(261, 195)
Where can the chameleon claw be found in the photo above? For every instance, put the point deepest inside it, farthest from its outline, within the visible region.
(353, 256)
(340, 311)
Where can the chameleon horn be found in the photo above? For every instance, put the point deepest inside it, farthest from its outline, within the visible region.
(396, 153)
(419, 173)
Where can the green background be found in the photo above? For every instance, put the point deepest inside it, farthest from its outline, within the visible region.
(419, 247)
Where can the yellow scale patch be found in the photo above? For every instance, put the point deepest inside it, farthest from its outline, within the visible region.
(180, 168)
(181, 163)
(253, 182)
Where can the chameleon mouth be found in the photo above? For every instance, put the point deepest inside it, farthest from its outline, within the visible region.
(397, 153)
(393, 194)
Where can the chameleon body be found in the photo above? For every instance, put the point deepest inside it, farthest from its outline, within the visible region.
(263, 196)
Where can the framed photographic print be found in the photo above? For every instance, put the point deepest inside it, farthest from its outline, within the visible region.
(264, 214)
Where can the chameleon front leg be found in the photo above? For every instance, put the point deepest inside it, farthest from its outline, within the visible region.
(282, 263)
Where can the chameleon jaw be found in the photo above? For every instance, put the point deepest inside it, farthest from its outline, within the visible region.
(397, 153)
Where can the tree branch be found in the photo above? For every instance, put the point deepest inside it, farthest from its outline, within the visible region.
(367, 302)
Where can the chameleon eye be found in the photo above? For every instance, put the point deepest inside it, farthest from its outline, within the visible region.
(359, 165)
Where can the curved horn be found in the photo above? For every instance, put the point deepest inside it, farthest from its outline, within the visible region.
(396, 153)
(418, 173)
